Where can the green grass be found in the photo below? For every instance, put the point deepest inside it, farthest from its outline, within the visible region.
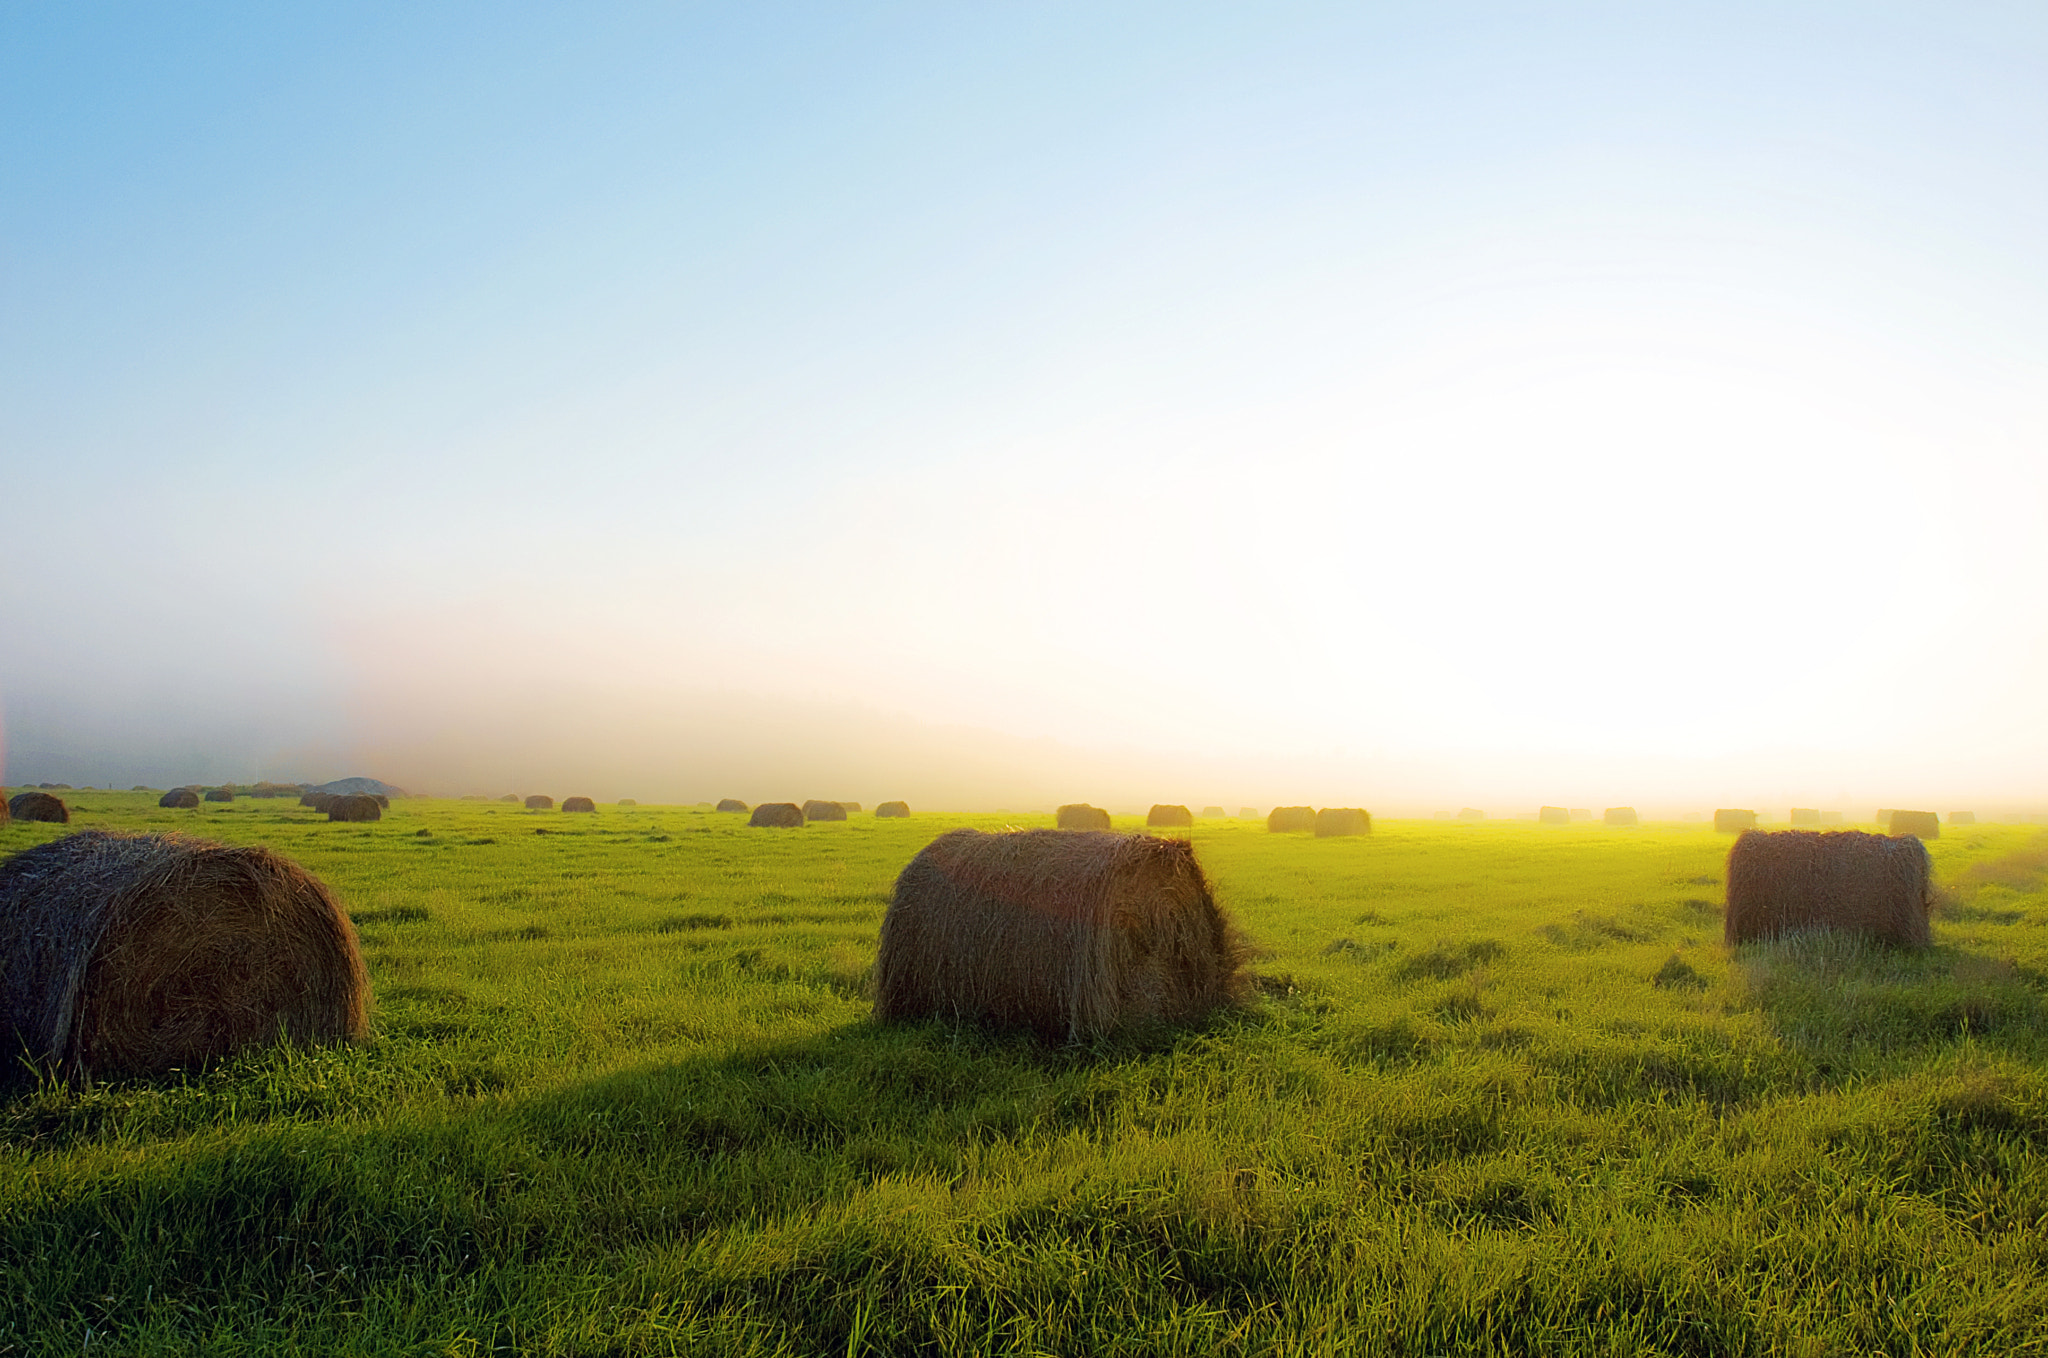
(1504, 1092)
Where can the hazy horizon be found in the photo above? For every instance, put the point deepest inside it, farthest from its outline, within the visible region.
(1409, 408)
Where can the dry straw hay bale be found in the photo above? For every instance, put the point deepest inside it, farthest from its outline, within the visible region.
(354, 807)
(777, 816)
(511, 797)
(1962, 818)
(1733, 821)
(815, 809)
(1919, 824)
(1804, 815)
(38, 806)
(1786, 880)
(850, 808)
(142, 953)
(1287, 820)
(383, 802)
(1332, 821)
(1247, 813)
(1163, 814)
(219, 794)
(1081, 816)
(1212, 811)
(1070, 936)
(539, 803)
(731, 804)
(1618, 815)
(579, 804)
(182, 799)
(623, 801)
(1554, 815)
(893, 811)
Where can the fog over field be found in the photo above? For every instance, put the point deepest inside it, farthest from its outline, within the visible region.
(1409, 409)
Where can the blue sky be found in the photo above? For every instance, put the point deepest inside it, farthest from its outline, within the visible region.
(1421, 403)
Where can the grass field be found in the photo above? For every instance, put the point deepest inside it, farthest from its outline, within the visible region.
(1504, 1092)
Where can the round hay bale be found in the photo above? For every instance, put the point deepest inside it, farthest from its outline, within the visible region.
(1780, 881)
(135, 954)
(1289, 820)
(1553, 815)
(1081, 816)
(356, 806)
(623, 801)
(1618, 815)
(731, 804)
(219, 794)
(1247, 813)
(777, 816)
(817, 810)
(1342, 820)
(893, 811)
(579, 804)
(383, 801)
(1729, 821)
(1163, 814)
(511, 797)
(1962, 818)
(1069, 936)
(38, 806)
(539, 803)
(850, 808)
(182, 799)
(1212, 811)
(1919, 824)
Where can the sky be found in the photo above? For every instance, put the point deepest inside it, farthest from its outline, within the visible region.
(1410, 406)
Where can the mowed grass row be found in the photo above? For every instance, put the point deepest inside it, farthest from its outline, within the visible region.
(1503, 1091)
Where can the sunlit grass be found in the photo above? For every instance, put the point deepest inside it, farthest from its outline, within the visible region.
(1504, 1091)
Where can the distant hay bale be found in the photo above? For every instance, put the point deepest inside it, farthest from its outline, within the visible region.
(383, 802)
(1471, 813)
(1287, 820)
(1786, 880)
(38, 806)
(778, 816)
(182, 799)
(1333, 821)
(1728, 821)
(850, 808)
(1919, 824)
(1554, 815)
(1962, 818)
(1164, 815)
(1212, 811)
(1247, 813)
(539, 803)
(356, 806)
(1081, 816)
(135, 954)
(1069, 936)
(1618, 815)
(219, 794)
(815, 809)
(732, 804)
(511, 797)
(1804, 815)
(893, 811)
(323, 802)
(623, 801)
(578, 804)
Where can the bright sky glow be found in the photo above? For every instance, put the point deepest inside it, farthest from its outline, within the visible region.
(1420, 407)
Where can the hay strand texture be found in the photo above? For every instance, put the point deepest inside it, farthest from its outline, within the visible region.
(1554, 815)
(893, 811)
(1618, 815)
(539, 803)
(578, 804)
(1342, 820)
(1165, 815)
(1069, 936)
(354, 807)
(182, 799)
(777, 815)
(143, 953)
(731, 804)
(1733, 821)
(1919, 824)
(1287, 820)
(38, 806)
(821, 810)
(1787, 880)
(1081, 816)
